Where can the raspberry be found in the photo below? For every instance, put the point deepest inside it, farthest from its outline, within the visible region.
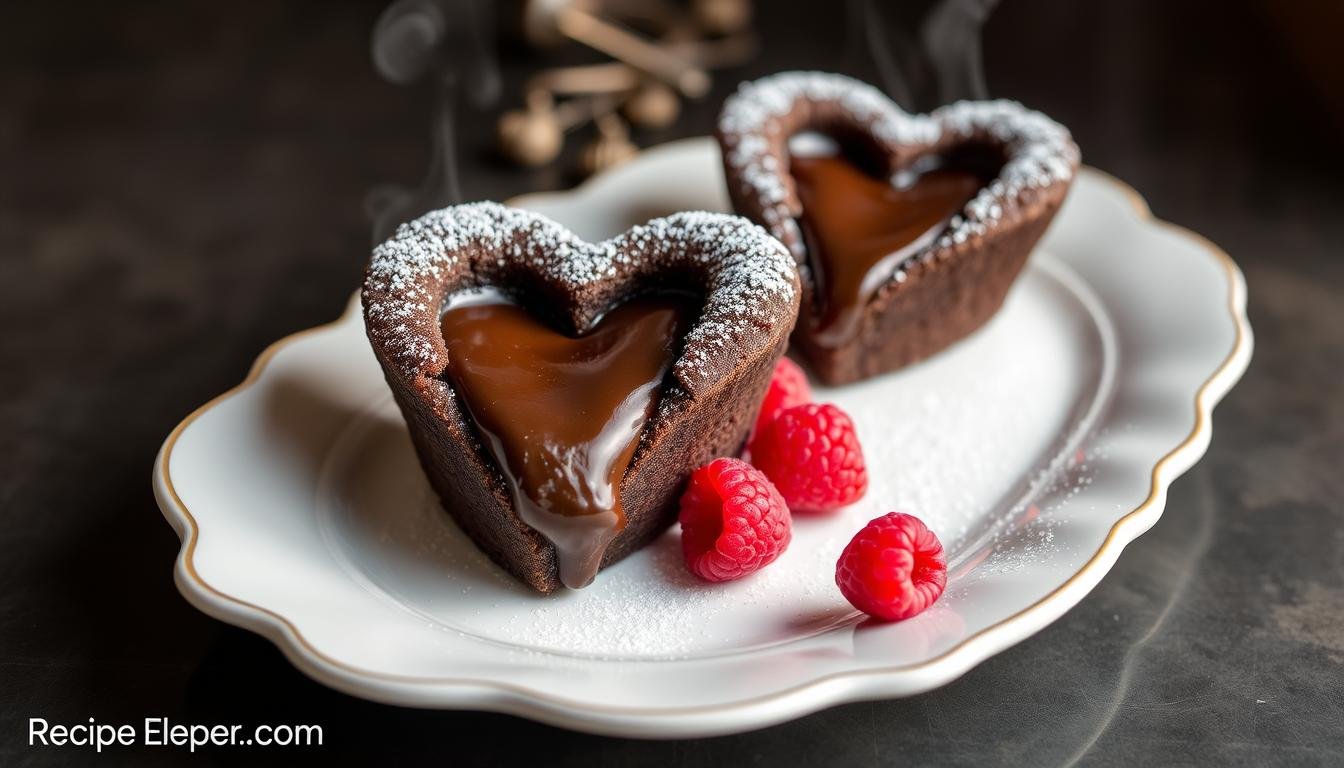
(788, 387)
(812, 455)
(733, 521)
(893, 568)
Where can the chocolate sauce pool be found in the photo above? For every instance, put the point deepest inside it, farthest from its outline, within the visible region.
(562, 415)
(858, 229)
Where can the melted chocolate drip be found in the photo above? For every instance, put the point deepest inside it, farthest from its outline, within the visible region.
(562, 415)
(858, 229)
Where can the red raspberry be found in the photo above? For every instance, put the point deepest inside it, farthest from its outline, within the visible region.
(733, 521)
(893, 568)
(788, 387)
(812, 455)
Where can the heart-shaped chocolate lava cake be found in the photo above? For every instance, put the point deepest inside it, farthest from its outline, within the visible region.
(909, 234)
(560, 392)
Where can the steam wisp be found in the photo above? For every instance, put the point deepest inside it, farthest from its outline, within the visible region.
(939, 64)
(452, 43)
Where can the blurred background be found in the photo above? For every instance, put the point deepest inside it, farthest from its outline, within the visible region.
(183, 183)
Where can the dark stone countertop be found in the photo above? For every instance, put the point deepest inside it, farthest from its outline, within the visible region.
(181, 184)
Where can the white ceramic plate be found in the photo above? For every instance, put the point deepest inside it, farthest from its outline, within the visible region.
(1036, 449)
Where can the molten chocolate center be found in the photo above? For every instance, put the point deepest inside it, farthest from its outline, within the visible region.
(562, 415)
(858, 229)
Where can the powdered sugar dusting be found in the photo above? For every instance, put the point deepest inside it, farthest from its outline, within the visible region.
(1039, 152)
(406, 270)
(750, 281)
(754, 278)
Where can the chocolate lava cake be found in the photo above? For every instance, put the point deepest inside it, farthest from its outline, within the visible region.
(908, 229)
(558, 392)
